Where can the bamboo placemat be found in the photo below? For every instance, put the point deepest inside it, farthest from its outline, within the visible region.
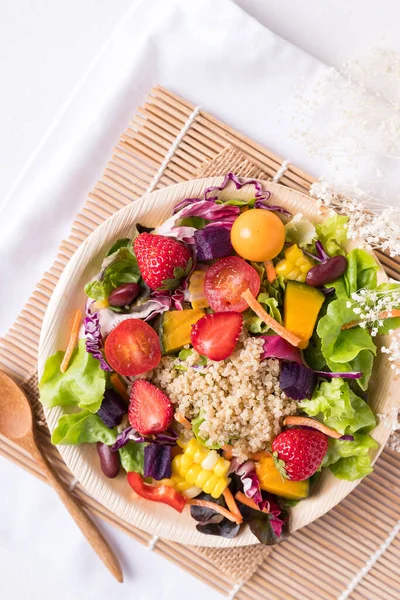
(352, 552)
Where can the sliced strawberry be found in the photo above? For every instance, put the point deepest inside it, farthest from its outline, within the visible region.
(299, 452)
(215, 335)
(150, 410)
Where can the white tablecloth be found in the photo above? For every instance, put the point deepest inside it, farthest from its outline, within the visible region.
(69, 89)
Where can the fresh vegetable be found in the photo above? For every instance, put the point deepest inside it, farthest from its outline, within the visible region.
(232, 506)
(118, 268)
(277, 347)
(216, 335)
(258, 235)
(157, 461)
(350, 460)
(202, 467)
(112, 409)
(248, 476)
(109, 461)
(305, 422)
(361, 272)
(272, 323)
(165, 494)
(216, 508)
(203, 514)
(82, 428)
(271, 305)
(196, 424)
(327, 271)
(82, 385)
(297, 381)
(301, 308)
(73, 338)
(332, 233)
(182, 420)
(163, 262)
(197, 296)
(226, 280)
(124, 294)
(133, 348)
(269, 527)
(213, 242)
(150, 410)
(301, 452)
(271, 480)
(93, 336)
(132, 457)
(295, 265)
(118, 386)
(270, 271)
(176, 327)
(300, 231)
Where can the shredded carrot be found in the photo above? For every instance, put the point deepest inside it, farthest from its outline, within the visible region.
(240, 497)
(264, 316)
(182, 420)
(258, 455)
(73, 338)
(270, 271)
(119, 386)
(213, 506)
(305, 421)
(232, 506)
(227, 452)
(386, 314)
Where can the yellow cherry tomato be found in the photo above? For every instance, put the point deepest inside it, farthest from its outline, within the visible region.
(258, 235)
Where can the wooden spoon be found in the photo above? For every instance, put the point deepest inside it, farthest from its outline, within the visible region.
(18, 424)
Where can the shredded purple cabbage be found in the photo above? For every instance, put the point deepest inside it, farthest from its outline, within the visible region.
(93, 336)
(348, 438)
(174, 299)
(277, 347)
(157, 461)
(261, 204)
(348, 375)
(166, 438)
(327, 291)
(321, 251)
(153, 307)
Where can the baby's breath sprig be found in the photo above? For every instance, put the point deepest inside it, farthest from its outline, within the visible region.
(375, 224)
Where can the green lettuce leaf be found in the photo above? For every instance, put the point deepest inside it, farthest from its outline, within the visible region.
(196, 430)
(352, 468)
(254, 323)
(361, 271)
(333, 234)
(81, 428)
(313, 354)
(117, 268)
(350, 460)
(237, 202)
(363, 362)
(132, 457)
(300, 231)
(82, 384)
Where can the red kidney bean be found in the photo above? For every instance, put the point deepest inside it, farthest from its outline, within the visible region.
(326, 271)
(109, 460)
(124, 294)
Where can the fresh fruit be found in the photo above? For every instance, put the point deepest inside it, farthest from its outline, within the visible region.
(225, 282)
(197, 295)
(301, 307)
(215, 335)
(150, 410)
(327, 271)
(162, 261)
(295, 265)
(301, 451)
(176, 327)
(132, 348)
(124, 294)
(271, 481)
(258, 235)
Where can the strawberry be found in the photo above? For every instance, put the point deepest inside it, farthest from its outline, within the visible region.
(162, 260)
(299, 452)
(150, 410)
(215, 335)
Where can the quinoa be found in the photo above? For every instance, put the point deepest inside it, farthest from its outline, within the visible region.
(239, 398)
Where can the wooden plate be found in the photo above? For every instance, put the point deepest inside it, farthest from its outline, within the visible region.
(157, 519)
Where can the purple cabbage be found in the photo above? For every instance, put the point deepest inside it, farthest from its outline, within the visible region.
(347, 438)
(93, 337)
(112, 409)
(277, 347)
(147, 311)
(345, 375)
(250, 481)
(212, 243)
(297, 381)
(127, 435)
(157, 461)
(322, 253)
(166, 438)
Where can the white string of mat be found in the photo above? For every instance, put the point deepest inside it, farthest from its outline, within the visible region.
(173, 149)
(153, 542)
(281, 171)
(235, 590)
(371, 562)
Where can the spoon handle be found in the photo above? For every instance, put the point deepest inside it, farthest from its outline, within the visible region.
(86, 525)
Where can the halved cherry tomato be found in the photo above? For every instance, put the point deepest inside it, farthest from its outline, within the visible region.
(225, 282)
(132, 348)
(161, 493)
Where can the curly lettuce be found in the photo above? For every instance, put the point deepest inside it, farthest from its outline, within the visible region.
(82, 428)
(332, 232)
(119, 267)
(350, 460)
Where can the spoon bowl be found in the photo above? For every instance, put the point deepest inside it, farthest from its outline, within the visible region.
(16, 419)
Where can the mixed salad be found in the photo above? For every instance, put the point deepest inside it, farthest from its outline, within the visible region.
(177, 306)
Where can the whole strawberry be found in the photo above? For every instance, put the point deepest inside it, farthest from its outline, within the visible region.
(299, 452)
(163, 261)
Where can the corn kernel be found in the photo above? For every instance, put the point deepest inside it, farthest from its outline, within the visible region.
(295, 265)
(176, 464)
(200, 455)
(181, 443)
(182, 485)
(186, 463)
(221, 467)
(202, 478)
(192, 473)
(166, 482)
(210, 483)
(192, 447)
(210, 460)
(219, 487)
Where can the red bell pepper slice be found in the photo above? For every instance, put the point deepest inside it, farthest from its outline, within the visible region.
(162, 493)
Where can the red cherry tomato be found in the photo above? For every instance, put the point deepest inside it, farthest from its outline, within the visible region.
(132, 348)
(226, 280)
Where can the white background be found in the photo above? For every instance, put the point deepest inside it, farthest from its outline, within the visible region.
(45, 48)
